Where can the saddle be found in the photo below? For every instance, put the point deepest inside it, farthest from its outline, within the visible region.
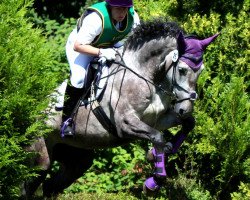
(95, 85)
(96, 80)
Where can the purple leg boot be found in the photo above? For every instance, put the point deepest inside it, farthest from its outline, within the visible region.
(151, 184)
(159, 162)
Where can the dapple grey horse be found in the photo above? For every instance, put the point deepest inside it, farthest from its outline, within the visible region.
(150, 88)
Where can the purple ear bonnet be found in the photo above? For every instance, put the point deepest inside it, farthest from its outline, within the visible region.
(192, 50)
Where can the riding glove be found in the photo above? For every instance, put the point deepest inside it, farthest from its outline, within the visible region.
(109, 53)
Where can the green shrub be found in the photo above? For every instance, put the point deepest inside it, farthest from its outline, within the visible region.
(151, 8)
(220, 150)
(185, 188)
(243, 193)
(115, 169)
(96, 196)
(27, 76)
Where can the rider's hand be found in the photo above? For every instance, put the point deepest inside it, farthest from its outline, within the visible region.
(109, 53)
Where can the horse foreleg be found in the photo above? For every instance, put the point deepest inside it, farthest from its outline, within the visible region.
(188, 125)
(156, 181)
(153, 183)
(131, 126)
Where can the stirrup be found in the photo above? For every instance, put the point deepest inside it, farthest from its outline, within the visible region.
(67, 128)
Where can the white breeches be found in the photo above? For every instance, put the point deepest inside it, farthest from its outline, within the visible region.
(78, 62)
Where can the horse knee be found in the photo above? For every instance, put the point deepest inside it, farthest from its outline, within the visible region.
(158, 140)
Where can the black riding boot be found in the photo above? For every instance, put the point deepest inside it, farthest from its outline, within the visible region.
(72, 95)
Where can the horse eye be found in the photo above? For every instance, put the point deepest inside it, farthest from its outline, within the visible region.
(182, 71)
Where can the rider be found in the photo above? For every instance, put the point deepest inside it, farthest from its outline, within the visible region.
(102, 26)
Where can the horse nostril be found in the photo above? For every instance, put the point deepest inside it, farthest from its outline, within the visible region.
(181, 111)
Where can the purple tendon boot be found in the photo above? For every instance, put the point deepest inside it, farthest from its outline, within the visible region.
(159, 162)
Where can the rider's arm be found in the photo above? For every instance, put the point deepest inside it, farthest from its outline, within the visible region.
(86, 49)
(91, 27)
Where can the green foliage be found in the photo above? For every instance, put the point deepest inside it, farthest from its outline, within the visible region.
(26, 77)
(186, 188)
(97, 196)
(222, 134)
(151, 8)
(174, 189)
(181, 8)
(115, 169)
(57, 35)
(58, 9)
(243, 193)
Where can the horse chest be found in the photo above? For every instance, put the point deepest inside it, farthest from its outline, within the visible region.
(155, 108)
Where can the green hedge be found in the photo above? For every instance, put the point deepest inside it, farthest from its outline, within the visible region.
(219, 145)
(27, 76)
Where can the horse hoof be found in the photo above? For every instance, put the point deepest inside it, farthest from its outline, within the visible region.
(150, 156)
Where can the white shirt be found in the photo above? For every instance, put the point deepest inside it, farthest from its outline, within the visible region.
(92, 27)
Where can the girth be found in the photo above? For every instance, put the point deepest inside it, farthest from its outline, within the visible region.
(95, 105)
(103, 118)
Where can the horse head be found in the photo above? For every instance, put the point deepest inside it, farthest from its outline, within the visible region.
(170, 59)
(187, 65)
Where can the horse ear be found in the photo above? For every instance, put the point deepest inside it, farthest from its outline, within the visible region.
(181, 43)
(204, 43)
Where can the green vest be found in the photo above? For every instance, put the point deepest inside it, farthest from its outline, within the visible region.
(110, 35)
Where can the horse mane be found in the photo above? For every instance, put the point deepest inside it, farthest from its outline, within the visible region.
(152, 29)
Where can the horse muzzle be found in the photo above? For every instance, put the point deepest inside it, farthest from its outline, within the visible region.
(184, 106)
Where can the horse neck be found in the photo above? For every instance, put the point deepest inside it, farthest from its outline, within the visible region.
(147, 59)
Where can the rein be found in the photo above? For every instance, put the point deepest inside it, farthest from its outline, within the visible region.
(192, 95)
(122, 63)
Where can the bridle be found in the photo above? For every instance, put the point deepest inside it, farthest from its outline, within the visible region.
(192, 95)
